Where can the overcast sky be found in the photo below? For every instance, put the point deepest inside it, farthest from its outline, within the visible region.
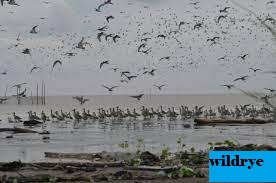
(193, 66)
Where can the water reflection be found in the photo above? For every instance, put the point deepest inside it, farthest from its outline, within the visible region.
(93, 136)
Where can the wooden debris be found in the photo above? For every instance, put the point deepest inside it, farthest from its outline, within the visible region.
(17, 130)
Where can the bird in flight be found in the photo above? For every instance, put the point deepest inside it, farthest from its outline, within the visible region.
(34, 68)
(26, 51)
(138, 97)
(110, 89)
(254, 70)
(100, 34)
(229, 86)
(241, 78)
(109, 17)
(103, 28)
(103, 62)
(70, 54)
(81, 99)
(116, 37)
(165, 58)
(81, 44)
(221, 17)
(159, 87)
(243, 56)
(224, 10)
(34, 31)
(55, 63)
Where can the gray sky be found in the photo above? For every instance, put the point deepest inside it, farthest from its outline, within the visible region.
(193, 66)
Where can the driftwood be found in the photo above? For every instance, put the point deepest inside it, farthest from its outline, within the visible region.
(152, 168)
(217, 121)
(82, 156)
(78, 164)
(32, 123)
(17, 130)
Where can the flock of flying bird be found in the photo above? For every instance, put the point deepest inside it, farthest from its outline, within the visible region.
(166, 35)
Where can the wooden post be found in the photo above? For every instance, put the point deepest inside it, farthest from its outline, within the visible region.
(37, 94)
(32, 98)
(41, 93)
(44, 93)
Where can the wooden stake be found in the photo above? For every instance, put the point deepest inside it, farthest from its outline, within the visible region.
(37, 94)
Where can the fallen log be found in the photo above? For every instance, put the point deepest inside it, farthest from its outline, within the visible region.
(17, 130)
(218, 121)
(152, 168)
(78, 164)
(32, 123)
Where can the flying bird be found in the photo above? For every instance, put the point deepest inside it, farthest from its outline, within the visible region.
(229, 86)
(138, 97)
(103, 28)
(224, 10)
(141, 46)
(180, 24)
(221, 17)
(55, 63)
(161, 36)
(110, 89)
(254, 70)
(81, 44)
(103, 62)
(243, 56)
(165, 58)
(34, 68)
(159, 87)
(33, 31)
(100, 35)
(26, 51)
(109, 17)
(241, 78)
(116, 37)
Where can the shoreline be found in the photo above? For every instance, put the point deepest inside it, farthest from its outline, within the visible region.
(139, 167)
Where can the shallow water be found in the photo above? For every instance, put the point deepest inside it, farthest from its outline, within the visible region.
(98, 136)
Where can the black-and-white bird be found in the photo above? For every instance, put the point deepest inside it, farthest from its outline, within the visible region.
(221, 17)
(115, 38)
(99, 36)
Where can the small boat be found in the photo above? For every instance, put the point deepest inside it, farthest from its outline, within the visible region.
(230, 121)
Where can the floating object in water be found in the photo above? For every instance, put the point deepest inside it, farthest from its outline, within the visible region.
(217, 121)
(32, 123)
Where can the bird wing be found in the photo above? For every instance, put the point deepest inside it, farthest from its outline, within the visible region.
(57, 62)
(114, 87)
(106, 87)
